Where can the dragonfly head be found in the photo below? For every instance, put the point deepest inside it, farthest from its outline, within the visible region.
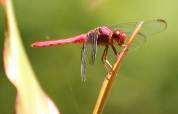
(119, 36)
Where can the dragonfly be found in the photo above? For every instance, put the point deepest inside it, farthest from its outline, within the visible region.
(107, 37)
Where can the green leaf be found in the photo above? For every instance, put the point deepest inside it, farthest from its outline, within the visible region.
(30, 97)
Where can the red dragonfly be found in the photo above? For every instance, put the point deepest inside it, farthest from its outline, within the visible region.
(108, 37)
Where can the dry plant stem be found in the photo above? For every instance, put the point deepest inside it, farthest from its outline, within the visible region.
(109, 79)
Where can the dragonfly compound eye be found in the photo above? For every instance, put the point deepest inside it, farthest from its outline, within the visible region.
(120, 36)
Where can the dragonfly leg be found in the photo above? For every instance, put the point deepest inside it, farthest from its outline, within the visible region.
(107, 65)
(124, 47)
(114, 50)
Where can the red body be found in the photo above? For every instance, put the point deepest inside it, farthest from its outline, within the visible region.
(104, 36)
(78, 39)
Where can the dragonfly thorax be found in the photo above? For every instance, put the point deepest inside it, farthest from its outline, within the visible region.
(105, 33)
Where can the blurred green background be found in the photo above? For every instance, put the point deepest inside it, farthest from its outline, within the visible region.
(148, 79)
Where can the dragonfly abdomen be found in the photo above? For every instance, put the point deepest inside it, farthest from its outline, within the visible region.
(78, 39)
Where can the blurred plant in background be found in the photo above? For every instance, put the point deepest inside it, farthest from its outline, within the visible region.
(30, 97)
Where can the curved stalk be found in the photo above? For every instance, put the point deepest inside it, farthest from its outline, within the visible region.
(110, 77)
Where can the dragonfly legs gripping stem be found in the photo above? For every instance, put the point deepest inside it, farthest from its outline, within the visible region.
(114, 50)
(123, 46)
(107, 65)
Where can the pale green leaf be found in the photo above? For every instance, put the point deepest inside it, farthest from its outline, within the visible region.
(30, 97)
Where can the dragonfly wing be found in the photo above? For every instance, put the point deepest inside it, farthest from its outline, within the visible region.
(137, 42)
(92, 42)
(89, 46)
(150, 27)
(94, 46)
(83, 61)
(153, 27)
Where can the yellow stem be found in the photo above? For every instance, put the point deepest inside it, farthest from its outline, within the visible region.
(109, 78)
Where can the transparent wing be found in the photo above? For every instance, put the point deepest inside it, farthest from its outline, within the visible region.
(94, 47)
(83, 61)
(149, 28)
(92, 44)
(137, 42)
